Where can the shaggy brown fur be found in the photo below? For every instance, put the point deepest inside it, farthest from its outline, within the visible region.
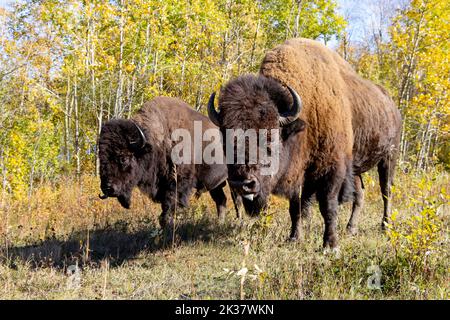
(376, 121)
(125, 164)
(351, 125)
(318, 157)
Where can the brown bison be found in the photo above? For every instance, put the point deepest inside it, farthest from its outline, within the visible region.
(137, 153)
(333, 124)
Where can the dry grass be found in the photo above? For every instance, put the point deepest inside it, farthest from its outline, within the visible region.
(65, 243)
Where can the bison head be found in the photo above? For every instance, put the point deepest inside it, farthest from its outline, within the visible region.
(257, 102)
(121, 144)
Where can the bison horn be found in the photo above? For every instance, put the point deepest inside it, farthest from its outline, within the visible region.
(291, 115)
(103, 197)
(212, 113)
(141, 133)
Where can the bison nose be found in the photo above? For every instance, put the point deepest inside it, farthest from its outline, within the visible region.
(246, 186)
(108, 189)
(249, 185)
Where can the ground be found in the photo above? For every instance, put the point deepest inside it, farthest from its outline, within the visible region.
(64, 243)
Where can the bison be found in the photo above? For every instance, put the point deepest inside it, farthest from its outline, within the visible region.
(333, 124)
(137, 153)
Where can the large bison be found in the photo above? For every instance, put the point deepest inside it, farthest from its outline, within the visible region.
(334, 126)
(137, 153)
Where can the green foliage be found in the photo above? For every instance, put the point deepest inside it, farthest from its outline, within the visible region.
(312, 19)
(412, 62)
(420, 40)
(418, 239)
(90, 61)
(30, 140)
(66, 66)
(80, 63)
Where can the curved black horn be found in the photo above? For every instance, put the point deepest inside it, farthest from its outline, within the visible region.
(141, 133)
(212, 113)
(291, 115)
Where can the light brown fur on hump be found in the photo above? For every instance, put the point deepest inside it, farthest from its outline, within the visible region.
(314, 74)
(376, 122)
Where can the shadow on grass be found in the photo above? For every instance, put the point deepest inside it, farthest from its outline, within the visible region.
(115, 243)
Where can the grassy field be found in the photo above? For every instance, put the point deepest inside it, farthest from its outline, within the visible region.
(65, 243)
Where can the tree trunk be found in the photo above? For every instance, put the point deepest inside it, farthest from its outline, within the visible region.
(297, 20)
(67, 112)
(77, 130)
(118, 105)
(99, 129)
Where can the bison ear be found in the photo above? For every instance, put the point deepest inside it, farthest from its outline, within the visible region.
(292, 128)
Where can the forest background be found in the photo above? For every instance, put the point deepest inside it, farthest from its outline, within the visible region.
(68, 66)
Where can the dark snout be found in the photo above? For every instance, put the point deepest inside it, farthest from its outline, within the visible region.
(253, 198)
(108, 190)
(111, 191)
(248, 188)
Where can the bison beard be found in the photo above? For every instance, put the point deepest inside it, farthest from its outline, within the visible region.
(125, 200)
(136, 153)
(255, 206)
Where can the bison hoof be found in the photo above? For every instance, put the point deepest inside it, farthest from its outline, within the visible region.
(293, 239)
(221, 218)
(352, 231)
(333, 252)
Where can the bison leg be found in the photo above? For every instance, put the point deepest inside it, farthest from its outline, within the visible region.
(328, 209)
(352, 226)
(294, 211)
(176, 196)
(168, 205)
(327, 196)
(220, 199)
(385, 172)
(166, 217)
(306, 203)
(307, 200)
(237, 201)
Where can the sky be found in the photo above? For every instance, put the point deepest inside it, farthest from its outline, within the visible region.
(364, 16)
(3, 3)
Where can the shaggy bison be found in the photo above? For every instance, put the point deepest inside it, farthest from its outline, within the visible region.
(137, 153)
(333, 124)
